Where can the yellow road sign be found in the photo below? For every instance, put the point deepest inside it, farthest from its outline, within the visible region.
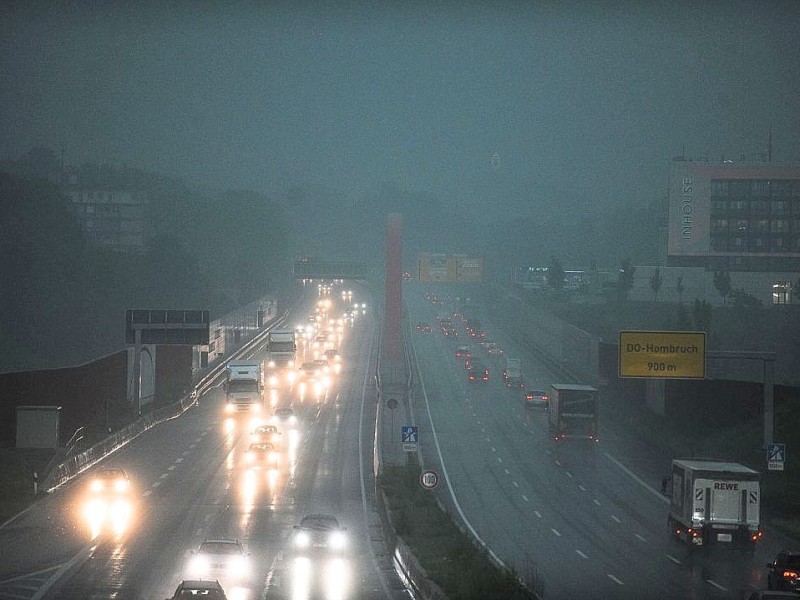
(662, 354)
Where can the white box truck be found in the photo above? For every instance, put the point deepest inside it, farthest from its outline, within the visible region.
(513, 373)
(281, 349)
(244, 387)
(715, 502)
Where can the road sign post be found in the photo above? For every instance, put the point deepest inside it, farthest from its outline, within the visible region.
(429, 479)
(776, 457)
(410, 438)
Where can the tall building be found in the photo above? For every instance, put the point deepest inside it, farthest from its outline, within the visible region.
(741, 218)
(111, 216)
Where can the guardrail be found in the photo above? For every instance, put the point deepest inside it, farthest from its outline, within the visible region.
(77, 464)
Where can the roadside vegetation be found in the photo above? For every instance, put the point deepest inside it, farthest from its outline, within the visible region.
(450, 557)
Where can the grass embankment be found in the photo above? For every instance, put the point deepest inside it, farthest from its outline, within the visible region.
(449, 557)
(16, 478)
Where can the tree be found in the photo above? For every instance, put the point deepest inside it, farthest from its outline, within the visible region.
(625, 280)
(702, 313)
(722, 282)
(680, 289)
(682, 322)
(655, 283)
(555, 274)
(741, 300)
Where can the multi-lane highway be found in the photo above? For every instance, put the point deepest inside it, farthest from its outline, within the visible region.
(586, 520)
(191, 480)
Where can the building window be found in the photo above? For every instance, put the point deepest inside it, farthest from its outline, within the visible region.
(719, 187)
(758, 244)
(738, 205)
(779, 225)
(719, 206)
(738, 243)
(720, 225)
(759, 207)
(780, 207)
(760, 187)
(781, 292)
(719, 243)
(761, 225)
(741, 226)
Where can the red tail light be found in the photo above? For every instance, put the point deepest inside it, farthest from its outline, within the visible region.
(790, 574)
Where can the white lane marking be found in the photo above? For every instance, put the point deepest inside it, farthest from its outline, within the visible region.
(637, 479)
(178, 460)
(568, 474)
(548, 451)
(614, 579)
(164, 475)
(507, 471)
(198, 533)
(494, 449)
(537, 513)
(171, 467)
(673, 559)
(147, 492)
(558, 463)
(581, 554)
(640, 537)
(596, 501)
(192, 445)
(716, 585)
(186, 453)
(488, 439)
(555, 531)
(483, 430)
(500, 460)
(583, 489)
(616, 518)
(515, 484)
(198, 440)
(156, 484)
(524, 497)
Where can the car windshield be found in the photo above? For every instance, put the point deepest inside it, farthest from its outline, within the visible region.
(220, 547)
(320, 523)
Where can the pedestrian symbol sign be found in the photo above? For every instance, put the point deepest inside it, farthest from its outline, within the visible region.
(409, 434)
(776, 457)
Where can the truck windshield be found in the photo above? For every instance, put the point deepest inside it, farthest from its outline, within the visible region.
(242, 385)
(281, 347)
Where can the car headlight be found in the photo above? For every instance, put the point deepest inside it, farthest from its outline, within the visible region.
(199, 566)
(302, 540)
(337, 540)
(239, 566)
(97, 485)
(120, 485)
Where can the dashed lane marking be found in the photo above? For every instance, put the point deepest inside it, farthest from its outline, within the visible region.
(171, 467)
(537, 513)
(716, 585)
(583, 489)
(568, 474)
(164, 475)
(581, 554)
(524, 497)
(555, 531)
(147, 492)
(178, 460)
(614, 579)
(640, 537)
(507, 471)
(673, 559)
(515, 484)
(596, 501)
(156, 484)
(616, 518)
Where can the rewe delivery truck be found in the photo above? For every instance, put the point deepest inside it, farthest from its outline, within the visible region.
(715, 502)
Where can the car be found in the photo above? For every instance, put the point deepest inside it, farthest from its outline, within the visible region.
(784, 571)
(537, 398)
(110, 481)
(475, 374)
(220, 559)
(463, 352)
(424, 328)
(332, 355)
(494, 350)
(310, 369)
(319, 533)
(473, 362)
(266, 433)
(262, 454)
(284, 415)
(322, 365)
(199, 589)
(771, 595)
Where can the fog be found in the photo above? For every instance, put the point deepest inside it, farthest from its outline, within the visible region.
(559, 113)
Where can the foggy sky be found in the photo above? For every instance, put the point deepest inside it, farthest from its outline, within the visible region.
(584, 104)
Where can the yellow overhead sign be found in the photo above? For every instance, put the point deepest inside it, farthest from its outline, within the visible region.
(450, 268)
(662, 354)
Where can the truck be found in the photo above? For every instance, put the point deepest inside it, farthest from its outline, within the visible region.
(715, 502)
(281, 349)
(513, 373)
(244, 387)
(572, 411)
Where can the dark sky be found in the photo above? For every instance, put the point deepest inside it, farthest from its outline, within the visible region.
(583, 102)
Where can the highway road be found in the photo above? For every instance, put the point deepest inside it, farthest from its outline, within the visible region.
(585, 520)
(191, 481)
